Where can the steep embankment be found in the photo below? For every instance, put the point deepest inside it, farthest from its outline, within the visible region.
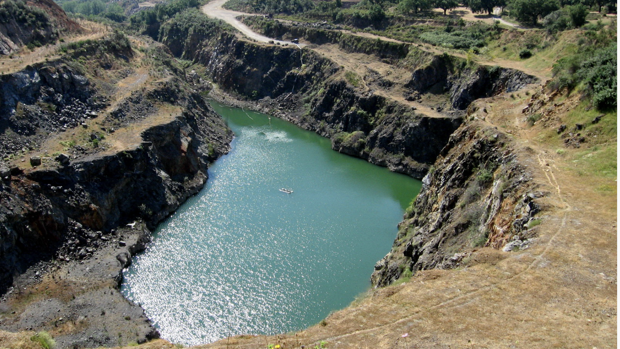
(112, 151)
(32, 23)
(477, 194)
(314, 92)
(421, 72)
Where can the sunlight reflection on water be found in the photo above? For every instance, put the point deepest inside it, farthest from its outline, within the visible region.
(244, 258)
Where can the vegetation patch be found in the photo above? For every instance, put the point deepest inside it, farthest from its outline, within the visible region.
(458, 39)
(592, 69)
(270, 6)
(44, 339)
(353, 78)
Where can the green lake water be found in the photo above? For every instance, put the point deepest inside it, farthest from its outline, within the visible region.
(242, 257)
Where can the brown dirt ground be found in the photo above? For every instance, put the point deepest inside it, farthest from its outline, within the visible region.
(20, 60)
(128, 137)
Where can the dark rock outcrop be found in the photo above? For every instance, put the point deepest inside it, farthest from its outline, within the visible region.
(476, 195)
(486, 82)
(100, 192)
(463, 82)
(45, 97)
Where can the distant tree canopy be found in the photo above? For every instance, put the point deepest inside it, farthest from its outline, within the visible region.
(408, 6)
(162, 12)
(569, 17)
(482, 6)
(528, 11)
(445, 5)
(109, 10)
(280, 6)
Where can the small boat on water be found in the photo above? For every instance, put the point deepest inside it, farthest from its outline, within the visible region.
(287, 191)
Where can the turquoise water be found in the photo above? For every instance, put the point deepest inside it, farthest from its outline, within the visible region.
(242, 257)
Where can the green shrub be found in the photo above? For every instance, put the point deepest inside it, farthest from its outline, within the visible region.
(271, 6)
(528, 11)
(524, 54)
(458, 39)
(352, 78)
(593, 67)
(44, 339)
(531, 224)
(567, 18)
(406, 274)
(23, 14)
(484, 176)
(481, 239)
(531, 120)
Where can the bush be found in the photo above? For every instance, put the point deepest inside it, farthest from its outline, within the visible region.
(600, 75)
(578, 14)
(458, 39)
(525, 54)
(44, 339)
(528, 11)
(352, 78)
(594, 67)
(23, 14)
(566, 18)
(484, 176)
(271, 6)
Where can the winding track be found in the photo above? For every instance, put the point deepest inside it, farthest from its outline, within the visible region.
(214, 9)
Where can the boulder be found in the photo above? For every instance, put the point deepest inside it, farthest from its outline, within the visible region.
(5, 171)
(63, 159)
(597, 119)
(35, 161)
(561, 129)
(124, 258)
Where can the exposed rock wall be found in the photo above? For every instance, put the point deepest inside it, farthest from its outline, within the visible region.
(101, 192)
(302, 87)
(476, 195)
(438, 74)
(347, 42)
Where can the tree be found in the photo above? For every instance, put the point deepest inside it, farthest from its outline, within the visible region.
(415, 6)
(608, 3)
(528, 11)
(446, 5)
(577, 15)
(481, 6)
(97, 7)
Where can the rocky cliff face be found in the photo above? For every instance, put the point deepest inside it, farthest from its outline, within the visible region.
(476, 195)
(43, 97)
(465, 83)
(97, 191)
(305, 88)
(302, 87)
(55, 96)
(430, 73)
(115, 159)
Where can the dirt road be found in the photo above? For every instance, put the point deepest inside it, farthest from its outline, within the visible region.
(214, 9)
